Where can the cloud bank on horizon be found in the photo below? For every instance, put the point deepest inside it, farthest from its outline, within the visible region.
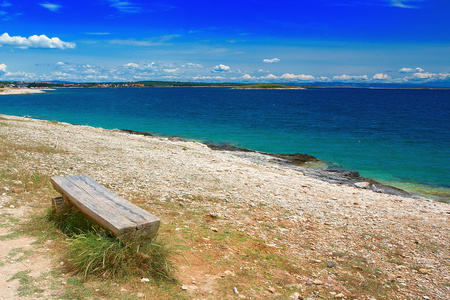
(293, 42)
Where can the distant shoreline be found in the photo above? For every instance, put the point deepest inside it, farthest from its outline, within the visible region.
(17, 91)
(290, 85)
(270, 87)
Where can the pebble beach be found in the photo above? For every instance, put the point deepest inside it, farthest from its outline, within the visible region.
(16, 91)
(311, 219)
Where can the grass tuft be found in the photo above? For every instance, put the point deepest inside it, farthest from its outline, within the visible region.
(92, 251)
(71, 222)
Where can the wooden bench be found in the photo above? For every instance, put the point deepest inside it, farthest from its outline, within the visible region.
(122, 218)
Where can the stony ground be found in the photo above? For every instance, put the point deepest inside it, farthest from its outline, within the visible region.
(335, 241)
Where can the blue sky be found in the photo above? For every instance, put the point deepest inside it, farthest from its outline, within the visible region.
(370, 41)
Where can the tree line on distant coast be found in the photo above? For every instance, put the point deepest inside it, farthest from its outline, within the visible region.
(141, 84)
(117, 84)
(43, 85)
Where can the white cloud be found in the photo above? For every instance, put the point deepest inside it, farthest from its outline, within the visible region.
(169, 37)
(192, 66)
(297, 77)
(270, 76)
(132, 42)
(171, 70)
(35, 41)
(323, 78)
(426, 75)
(345, 77)
(271, 60)
(125, 6)
(2, 69)
(154, 41)
(5, 4)
(50, 6)
(247, 77)
(406, 70)
(61, 74)
(410, 70)
(98, 33)
(381, 76)
(131, 65)
(208, 78)
(403, 3)
(221, 68)
(22, 76)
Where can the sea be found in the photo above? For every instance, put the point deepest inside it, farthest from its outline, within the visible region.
(400, 137)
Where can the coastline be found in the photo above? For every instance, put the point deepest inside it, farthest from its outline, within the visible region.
(305, 164)
(338, 238)
(17, 91)
(301, 163)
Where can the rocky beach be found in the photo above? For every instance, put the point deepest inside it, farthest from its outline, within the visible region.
(347, 239)
(22, 91)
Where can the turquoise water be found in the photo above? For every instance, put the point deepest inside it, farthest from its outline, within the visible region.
(400, 137)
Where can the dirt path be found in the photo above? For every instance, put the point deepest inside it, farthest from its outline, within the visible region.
(24, 267)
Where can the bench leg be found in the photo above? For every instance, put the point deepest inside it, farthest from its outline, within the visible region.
(60, 205)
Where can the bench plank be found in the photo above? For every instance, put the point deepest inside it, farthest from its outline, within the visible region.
(109, 210)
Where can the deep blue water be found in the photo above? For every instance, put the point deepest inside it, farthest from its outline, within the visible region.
(400, 137)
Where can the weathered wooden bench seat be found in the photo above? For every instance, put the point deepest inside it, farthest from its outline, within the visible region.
(119, 216)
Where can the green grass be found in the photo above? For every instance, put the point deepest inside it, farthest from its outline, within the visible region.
(97, 254)
(10, 236)
(18, 254)
(27, 284)
(92, 251)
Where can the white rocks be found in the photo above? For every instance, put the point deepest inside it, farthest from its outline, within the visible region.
(229, 273)
(295, 295)
(362, 184)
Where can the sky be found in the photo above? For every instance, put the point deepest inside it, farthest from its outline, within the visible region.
(248, 41)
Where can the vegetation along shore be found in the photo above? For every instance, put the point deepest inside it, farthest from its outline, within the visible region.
(235, 224)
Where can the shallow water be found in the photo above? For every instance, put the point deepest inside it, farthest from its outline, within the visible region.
(399, 137)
